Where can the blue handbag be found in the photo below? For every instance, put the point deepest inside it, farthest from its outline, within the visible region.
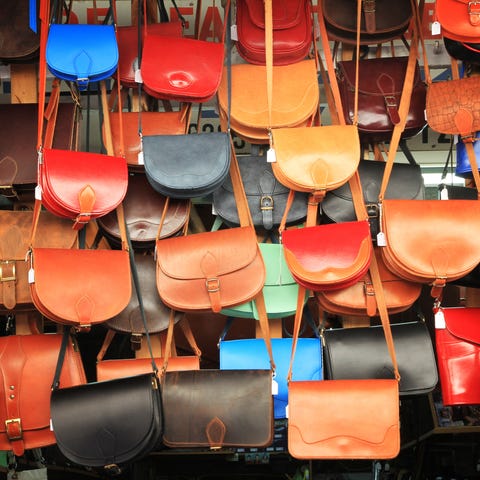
(82, 53)
(463, 168)
(244, 354)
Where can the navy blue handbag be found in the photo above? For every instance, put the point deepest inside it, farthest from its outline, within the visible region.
(463, 167)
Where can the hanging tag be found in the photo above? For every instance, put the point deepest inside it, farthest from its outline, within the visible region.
(51, 425)
(233, 33)
(214, 212)
(138, 76)
(286, 411)
(274, 387)
(436, 28)
(440, 320)
(455, 139)
(140, 158)
(444, 193)
(271, 156)
(31, 276)
(381, 240)
(38, 192)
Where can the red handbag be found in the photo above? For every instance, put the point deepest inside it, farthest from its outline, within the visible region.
(457, 339)
(27, 365)
(292, 31)
(459, 19)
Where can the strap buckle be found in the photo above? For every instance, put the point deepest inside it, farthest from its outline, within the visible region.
(474, 8)
(390, 101)
(373, 211)
(4, 277)
(266, 202)
(212, 284)
(13, 429)
(369, 6)
(8, 191)
(82, 83)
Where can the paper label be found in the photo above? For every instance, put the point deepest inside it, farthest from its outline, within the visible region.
(274, 387)
(138, 76)
(31, 276)
(140, 158)
(436, 28)
(38, 192)
(233, 33)
(271, 157)
(381, 240)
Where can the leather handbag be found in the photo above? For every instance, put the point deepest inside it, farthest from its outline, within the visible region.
(381, 20)
(218, 408)
(15, 230)
(365, 420)
(464, 51)
(252, 354)
(463, 167)
(360, 299)
(406, 181)
(26, 389)
(457, 340)
(380, 86)
(459, 20)
(292, 31)
(266, 196)
(174, 168)
(143, 210)
(81, 275)
(361, 353)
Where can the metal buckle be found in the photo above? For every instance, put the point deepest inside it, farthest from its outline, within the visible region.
(82, 83)
(368, 289)
(369, 6)
(13, 275)
(266, 202)
(83, 218)
(390, 101)
(8, 191)
(475, 10)
(9, 422)
(212, 284)
(372, 210)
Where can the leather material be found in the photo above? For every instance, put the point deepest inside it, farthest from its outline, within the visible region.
(129, 367)
(174, 168)
(82, 184)
(127, 39)
(266, 196)
(153, 123)
(18, 43)
(18, 166)
(292, 31)
(464, 51)
(191, 68)
(406, 181)
(462, 163)
(362, 353)
(315, 159)
(211, 270)
(362, 421)
(129, 320)
(460, 19)
(143, 208)
(280, 290)
(15, 230)
(360, 300)
(447, 100)
(457, 339)
(390, 20)
(451, 229)
(245, 354)
(379, 91)
(81, 276)
(120, 420)
(82, 53)
(294, 103)
(328, 257)
(26, 389)
(218, 408)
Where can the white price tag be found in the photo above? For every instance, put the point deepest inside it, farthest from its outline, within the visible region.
(271, 157)
(381, 240)
(31, 276)
(436, 28)
(138, 76)
(140, 158)
(233, 33)
(274, 387)
(444, 193)
(38, 192)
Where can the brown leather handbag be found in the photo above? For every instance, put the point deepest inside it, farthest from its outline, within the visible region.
(15, 230)
(27, 365)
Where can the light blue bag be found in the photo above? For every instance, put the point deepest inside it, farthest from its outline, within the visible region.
(82, 53)
(244, 354)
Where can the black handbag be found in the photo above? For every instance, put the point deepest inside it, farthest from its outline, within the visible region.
(361, 353)
(266, 196)
(405, 182)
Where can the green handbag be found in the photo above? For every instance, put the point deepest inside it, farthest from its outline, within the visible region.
(280, 289)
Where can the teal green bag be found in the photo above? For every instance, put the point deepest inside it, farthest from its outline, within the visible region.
(280, 289)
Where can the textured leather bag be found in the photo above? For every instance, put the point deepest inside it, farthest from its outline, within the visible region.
(459, 19)
(143, 210)
(406, 181)
(15, 230)
(218, 408)
(266, 196)
(252, 354)
(457, 339)
(381, 20)
(26, 389)
(292, 31)
(380, 87)
(361, 353)
(360, 299)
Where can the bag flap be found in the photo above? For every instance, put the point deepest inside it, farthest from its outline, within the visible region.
(66, 173)
(207, 254)
(452, 228)
(463, 323)
(328, 253)
(82, 50)
(286, 14)
(81, 276)
(363, 424)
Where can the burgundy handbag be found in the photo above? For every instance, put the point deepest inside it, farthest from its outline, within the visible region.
(457, 339)
(292, 31)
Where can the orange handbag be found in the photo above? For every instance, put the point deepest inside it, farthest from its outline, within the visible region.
(27, 365)
(78, 287)
(361, 419)
(459, 19)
